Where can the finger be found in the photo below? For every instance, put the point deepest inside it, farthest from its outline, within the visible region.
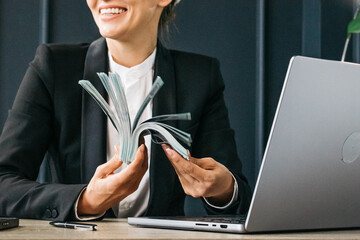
(141, 141)
(188, 183)
(184, 178)
(188, 153)
(117, 149)
(109, 167)
(204, 163)
(183, 166)
(137, 168)
(141, 159)
(146, 157)
(196, 181)
(191, 186)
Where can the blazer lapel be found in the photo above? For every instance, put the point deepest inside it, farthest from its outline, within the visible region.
(165, 100)
(162, 174)
(93, 132)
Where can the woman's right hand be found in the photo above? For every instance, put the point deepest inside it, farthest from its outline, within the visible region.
(107, 188)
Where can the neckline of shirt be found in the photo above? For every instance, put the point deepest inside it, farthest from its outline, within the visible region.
(135, 72)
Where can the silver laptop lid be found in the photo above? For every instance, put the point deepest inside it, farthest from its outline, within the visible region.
(310, 175)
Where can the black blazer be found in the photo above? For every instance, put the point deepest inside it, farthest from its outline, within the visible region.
(53, 116)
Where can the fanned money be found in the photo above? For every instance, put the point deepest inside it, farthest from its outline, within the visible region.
(129, 134)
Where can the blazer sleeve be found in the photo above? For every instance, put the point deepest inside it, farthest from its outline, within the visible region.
(215, 138)
(25, 139)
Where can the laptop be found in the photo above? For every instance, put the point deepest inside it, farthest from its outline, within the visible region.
(310, 174)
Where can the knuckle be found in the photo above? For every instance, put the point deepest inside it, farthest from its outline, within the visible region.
(99, 168)
(209, 159)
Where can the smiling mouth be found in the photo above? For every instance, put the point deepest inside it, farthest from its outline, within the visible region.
(111, 11)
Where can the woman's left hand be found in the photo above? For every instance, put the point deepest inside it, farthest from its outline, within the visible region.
(202, 177)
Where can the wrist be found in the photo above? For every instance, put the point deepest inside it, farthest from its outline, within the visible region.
(224, 197)
(86, 206)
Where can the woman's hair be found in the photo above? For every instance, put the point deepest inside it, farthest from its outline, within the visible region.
(167, 15)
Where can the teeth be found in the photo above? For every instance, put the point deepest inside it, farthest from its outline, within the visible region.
(112, 10)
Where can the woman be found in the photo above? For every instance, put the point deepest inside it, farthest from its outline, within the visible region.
(51, 114)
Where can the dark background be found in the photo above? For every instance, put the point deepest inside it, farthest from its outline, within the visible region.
(253, 39)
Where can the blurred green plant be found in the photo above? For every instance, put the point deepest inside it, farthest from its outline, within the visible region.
(353, 27)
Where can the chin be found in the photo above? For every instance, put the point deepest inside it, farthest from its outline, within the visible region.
(106, 33)
(120, 38)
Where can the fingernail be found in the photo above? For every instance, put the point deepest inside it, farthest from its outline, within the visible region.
(168, 151)
(188, 153)
(164, 146)
(142, 148)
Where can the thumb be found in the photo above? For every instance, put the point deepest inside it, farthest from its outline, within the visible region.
(141, 158)
(109, 167)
